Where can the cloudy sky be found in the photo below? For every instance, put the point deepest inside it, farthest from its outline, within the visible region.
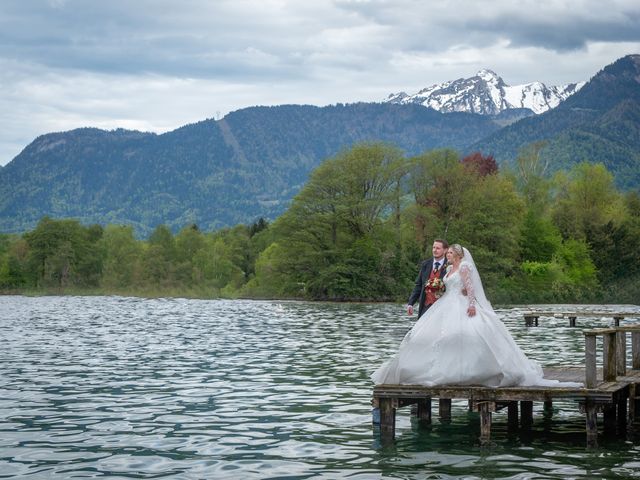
(155, 65)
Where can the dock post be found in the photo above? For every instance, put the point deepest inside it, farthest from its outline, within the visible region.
(621, 359)
(526, 413)
(609, 418)
(572, 321)
(591, 423)
(548, 407)
(633, 403)
(617, 320)
(387, 418)
(590, 360)
(485, 421)
(622, 410)
(635, 350)
(610, 357)
(424, 410)
(445, 408)
(512, 414)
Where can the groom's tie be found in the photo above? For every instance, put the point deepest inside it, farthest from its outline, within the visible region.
(436, 266)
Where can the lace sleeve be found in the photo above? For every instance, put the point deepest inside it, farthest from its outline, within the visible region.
(465, 273)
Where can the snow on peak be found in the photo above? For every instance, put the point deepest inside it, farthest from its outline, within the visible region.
(486, 93)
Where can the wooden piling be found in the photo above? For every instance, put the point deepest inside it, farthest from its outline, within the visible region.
(387, 418)
(609, 419)
(591, 418)
(526, 413)
(485, 409)
(424, 410)
(512, 414)
(445, 409)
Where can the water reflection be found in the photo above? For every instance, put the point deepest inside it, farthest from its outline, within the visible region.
(135, 388)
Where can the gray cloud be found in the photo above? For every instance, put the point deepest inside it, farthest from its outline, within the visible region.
(158, 64)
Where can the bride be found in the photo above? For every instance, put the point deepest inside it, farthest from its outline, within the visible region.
(460, 340)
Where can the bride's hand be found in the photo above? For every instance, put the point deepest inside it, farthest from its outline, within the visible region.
(471, 311)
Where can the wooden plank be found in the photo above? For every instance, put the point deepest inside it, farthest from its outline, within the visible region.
(599, 331)
(580, 313)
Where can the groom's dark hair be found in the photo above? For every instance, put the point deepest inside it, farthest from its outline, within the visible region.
(443, 242)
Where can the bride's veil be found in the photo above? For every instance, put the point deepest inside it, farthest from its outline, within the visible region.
(478, 290)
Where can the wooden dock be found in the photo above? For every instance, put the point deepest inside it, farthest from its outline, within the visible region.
(531, 317)
(612, 390)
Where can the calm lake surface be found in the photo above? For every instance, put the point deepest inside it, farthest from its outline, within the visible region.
(115, 387)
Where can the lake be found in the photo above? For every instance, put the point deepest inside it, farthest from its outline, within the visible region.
(118, 387)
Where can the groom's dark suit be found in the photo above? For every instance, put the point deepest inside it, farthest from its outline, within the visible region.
(421, 280)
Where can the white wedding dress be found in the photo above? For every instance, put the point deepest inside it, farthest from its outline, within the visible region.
(448, 347)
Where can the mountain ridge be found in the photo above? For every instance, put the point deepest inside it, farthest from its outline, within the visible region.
(585, 127)
(212, 173)
(486, 93)
(250, 164)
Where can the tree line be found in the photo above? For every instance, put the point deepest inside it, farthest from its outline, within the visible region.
(358, 230)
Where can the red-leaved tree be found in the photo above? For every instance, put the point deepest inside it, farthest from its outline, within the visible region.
(482, 165)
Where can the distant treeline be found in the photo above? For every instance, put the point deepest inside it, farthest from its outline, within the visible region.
(358, 230)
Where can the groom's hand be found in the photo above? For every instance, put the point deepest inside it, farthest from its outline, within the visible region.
(409, 310)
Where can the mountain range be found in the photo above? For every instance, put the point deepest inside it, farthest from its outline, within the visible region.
(250, 163)
(487, 94)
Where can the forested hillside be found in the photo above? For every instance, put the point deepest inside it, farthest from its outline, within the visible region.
(358, 229)
(251, 163)
(212, 173)
(600, 123)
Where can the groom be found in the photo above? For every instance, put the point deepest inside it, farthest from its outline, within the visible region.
(432, 268)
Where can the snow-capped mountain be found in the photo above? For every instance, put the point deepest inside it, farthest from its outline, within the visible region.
(486, 93)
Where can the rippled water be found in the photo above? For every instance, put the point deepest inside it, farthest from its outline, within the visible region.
(113, 387)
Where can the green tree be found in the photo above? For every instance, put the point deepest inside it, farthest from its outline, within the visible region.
(540, 238)
(490, 226)
(437, 181)
(586, 201)
(122, 258)
(348, 200)
(64, 253)
(13, 253)
(159, 259)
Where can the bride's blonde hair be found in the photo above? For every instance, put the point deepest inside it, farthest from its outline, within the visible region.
(457, 248)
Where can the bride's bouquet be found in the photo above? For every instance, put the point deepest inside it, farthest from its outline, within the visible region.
(436, 286)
